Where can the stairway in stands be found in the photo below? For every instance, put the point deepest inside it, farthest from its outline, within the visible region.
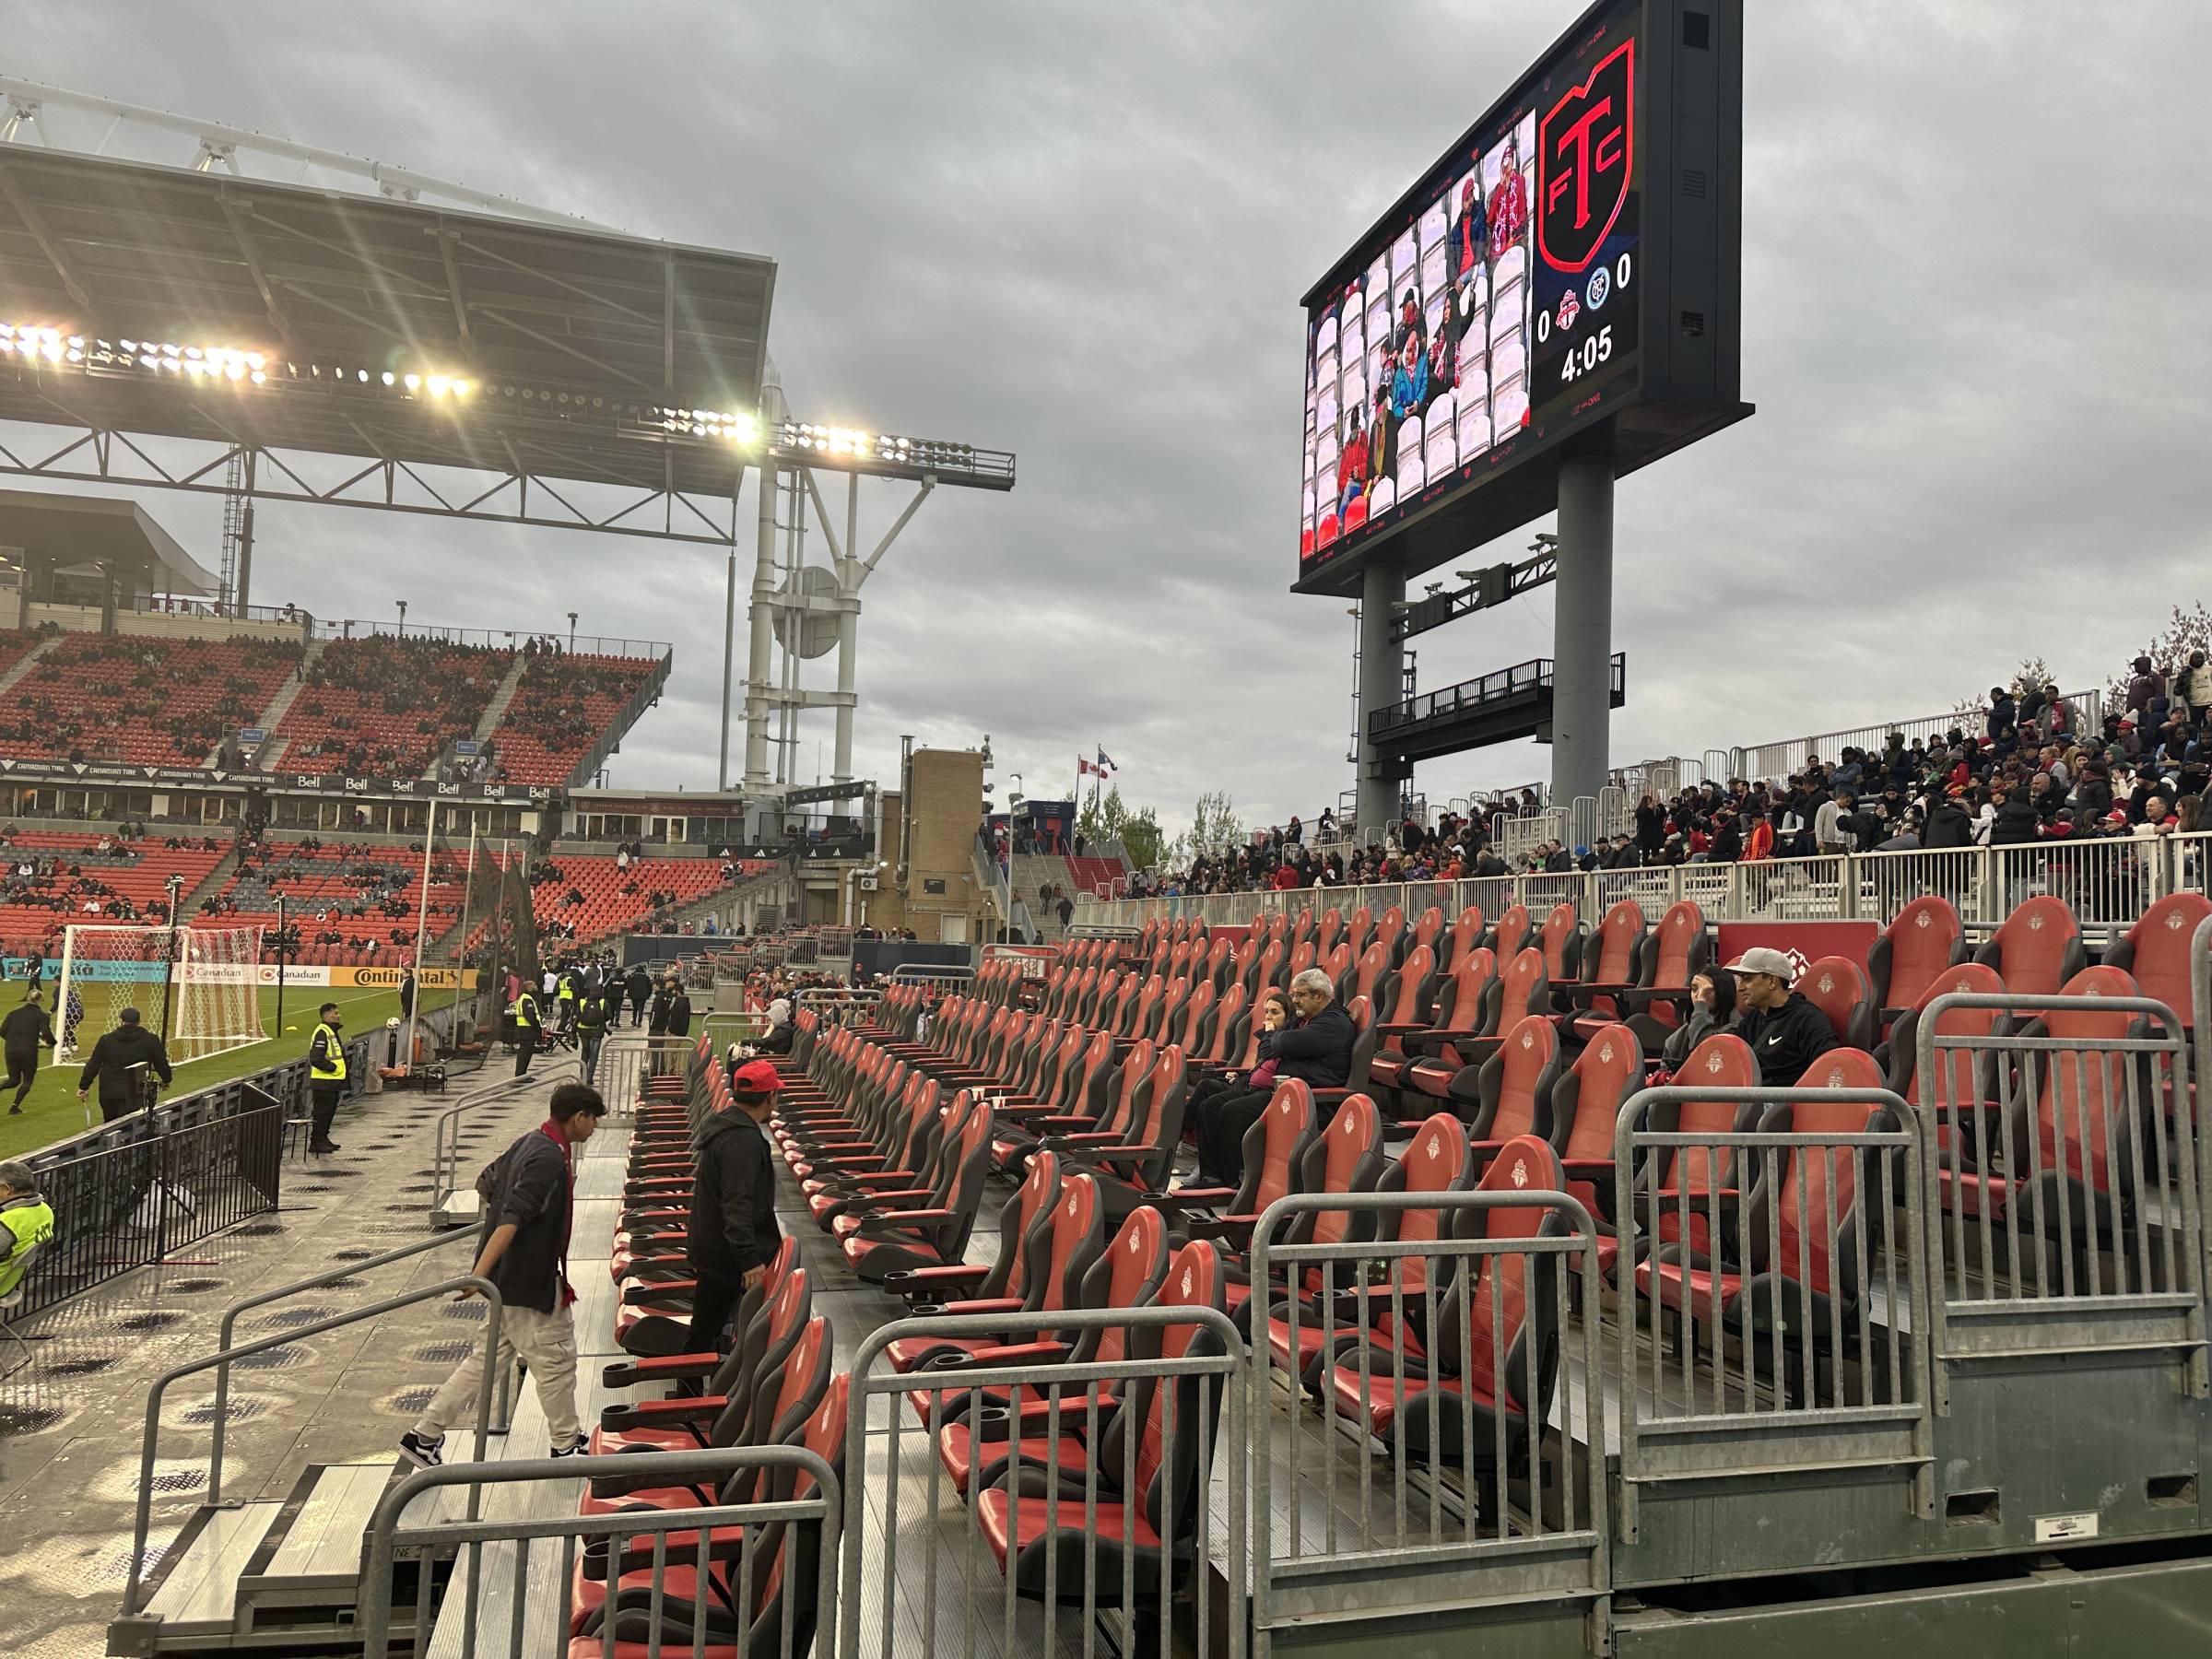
(26, 662)
(496, 709)
(1031, 871)
(272, 751)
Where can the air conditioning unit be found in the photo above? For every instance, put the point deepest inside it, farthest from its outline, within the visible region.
(867, 884)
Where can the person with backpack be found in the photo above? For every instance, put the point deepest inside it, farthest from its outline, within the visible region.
(591, 1030)
(528, 1194)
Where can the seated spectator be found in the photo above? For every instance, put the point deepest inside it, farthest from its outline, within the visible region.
(1315, 1047)
(1712, 1010)
(1784, 1031)
(25, 1222)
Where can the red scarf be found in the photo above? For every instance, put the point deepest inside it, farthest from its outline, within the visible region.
(567, 1222)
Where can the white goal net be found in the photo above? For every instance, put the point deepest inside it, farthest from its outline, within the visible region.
(199, 983)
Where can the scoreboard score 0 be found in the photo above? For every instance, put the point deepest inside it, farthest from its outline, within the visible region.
(1565, 276)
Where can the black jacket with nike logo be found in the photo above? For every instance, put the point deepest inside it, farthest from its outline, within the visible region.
(1786, 1040)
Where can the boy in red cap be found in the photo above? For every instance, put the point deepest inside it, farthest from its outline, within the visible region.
(734, 1233)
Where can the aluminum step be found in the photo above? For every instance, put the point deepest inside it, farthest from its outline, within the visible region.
(317, 1562)
(461, 1208)
(198, 1594)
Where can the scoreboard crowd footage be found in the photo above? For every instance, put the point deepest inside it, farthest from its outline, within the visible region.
(1475, 324)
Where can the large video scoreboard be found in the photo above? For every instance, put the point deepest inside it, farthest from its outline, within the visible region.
(1565, 275)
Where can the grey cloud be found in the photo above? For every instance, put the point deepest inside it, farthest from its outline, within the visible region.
(1974, 238)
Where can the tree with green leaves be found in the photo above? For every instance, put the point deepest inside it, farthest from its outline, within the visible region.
(1107, 818)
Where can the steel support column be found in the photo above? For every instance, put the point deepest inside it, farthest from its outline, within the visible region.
(1582, 631)
(760, 666)
(1381, 683)
(848, 634)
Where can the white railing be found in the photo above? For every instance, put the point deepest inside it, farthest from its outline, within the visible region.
(2108, 881)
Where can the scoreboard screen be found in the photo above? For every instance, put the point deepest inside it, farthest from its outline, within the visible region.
(1499, 307)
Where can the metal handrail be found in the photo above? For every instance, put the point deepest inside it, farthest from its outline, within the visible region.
(142, 1520)
(446, 1145)
(824, 1505)
(230, 1322)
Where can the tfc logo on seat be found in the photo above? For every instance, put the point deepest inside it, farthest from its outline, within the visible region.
(1584, 156)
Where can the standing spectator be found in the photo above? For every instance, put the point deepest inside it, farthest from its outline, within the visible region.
(640, 993)
(21, 1033)
(679, 1008)
(2193, 687)
(407, 994)
(528, 1194)
(121, 1062)
(591, 1030)
(1065, 908)
(526, 1018)
(733, 1233)
(325, 1074)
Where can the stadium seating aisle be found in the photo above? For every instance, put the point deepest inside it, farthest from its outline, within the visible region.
(143, 701)
(388, 706)
(562, 706)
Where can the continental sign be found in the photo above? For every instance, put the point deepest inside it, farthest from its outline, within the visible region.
(366, 978)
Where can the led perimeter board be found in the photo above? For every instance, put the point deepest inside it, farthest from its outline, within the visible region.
(1566, 276)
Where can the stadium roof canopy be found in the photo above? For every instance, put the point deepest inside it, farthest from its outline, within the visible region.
(101, 531)
(403, 337)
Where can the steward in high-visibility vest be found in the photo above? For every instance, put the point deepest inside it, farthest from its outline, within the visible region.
(325, 1074)
(523, 1012)
(567, 998)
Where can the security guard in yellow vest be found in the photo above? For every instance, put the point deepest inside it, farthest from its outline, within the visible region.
(326, 1074)
(523, 1012)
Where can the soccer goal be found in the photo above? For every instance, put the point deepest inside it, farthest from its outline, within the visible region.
(201, 982)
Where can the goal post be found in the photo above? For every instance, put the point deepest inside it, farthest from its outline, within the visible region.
(198, 985)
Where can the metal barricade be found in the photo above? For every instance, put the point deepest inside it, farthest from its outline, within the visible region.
(1884, 883)
(2103, 879)
(1791, 890)
(1775, 1309)
(769, 1553)
(2069, 1204)
(1486, 1484)
(919, 1559)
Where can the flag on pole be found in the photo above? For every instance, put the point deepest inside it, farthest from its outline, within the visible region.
(1104, 765)
(1084, 768)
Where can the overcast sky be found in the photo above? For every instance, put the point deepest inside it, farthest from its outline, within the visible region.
(1976, 237)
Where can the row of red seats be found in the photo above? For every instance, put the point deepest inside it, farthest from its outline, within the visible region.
(90, 683)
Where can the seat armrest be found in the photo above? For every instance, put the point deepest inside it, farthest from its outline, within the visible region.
(666, 1367)
(877, 1227)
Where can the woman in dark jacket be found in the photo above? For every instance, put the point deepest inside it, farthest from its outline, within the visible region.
(1651, 826)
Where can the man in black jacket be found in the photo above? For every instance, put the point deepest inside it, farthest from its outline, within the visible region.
(1786, 1032)
(733, 1234)
(121, 1061)
(1316, 1048)
(640, 993)
(22, 1032)
(528, 1194)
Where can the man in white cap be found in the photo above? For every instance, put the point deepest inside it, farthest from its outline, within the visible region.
(1784, 1030)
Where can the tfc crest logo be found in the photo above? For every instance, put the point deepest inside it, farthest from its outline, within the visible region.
(1583, 157)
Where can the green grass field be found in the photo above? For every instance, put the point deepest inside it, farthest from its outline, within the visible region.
(51, 1111)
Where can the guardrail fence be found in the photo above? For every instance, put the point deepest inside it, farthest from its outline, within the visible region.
(2108, 880)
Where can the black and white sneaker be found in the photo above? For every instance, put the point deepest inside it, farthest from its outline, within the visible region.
(573, 1449)
(423, 1454)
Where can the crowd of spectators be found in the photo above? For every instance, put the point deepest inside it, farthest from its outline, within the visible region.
(389, 704)
(119, 696)
(2023, 770)
(563, 702)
